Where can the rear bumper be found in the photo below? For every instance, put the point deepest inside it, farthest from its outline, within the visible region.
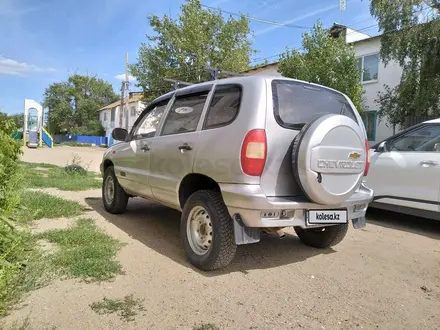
(257, 210)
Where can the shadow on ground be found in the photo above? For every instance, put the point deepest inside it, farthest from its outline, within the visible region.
(411, 224)
(158, 227)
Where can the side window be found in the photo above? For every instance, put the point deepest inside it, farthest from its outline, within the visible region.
(184, 114)
(148, 125)
(224, 106)
(426, 138)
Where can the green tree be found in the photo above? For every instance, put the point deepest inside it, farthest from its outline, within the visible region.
(411, 37)
(73, 104)
(325, 60)
(18, 119)
(182, 47)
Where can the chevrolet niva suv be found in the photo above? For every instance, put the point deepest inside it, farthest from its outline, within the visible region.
(239, 156)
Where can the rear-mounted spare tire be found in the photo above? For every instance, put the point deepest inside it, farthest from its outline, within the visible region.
(328, 159)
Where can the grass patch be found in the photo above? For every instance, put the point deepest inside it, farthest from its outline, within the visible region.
(33, 165)
(26, 270)
(126, 308)
(84, 252)
(58, 177)
(37, 205)
(207, 326)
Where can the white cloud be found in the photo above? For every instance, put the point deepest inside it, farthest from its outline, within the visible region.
(121, 77)
(298, 18)
(13, 67)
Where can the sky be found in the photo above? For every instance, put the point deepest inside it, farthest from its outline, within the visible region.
(44, 41)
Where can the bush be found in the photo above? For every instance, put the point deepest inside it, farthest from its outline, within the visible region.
(10, 171)
(14, 245)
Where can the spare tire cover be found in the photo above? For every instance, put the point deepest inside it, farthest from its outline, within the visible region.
(328, 158)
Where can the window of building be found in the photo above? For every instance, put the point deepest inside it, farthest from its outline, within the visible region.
(112, 115)
(224, 106)
(369, 119)
(369, 67)
(185, 114)
(105, 116)
(133, 111)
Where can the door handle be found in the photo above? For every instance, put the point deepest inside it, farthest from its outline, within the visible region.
(145, 148)
(427, 163)
(185, 146)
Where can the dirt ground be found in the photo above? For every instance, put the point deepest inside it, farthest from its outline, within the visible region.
(63, 155)
(386, 276)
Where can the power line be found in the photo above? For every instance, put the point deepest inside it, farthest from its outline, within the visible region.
(259, 19)
(349, 33)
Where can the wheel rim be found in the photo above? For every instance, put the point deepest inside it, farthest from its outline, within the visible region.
(109, 190)
(199, 230)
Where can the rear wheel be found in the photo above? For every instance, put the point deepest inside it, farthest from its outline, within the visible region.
(322, 237)
(207, 231)
(114, 197)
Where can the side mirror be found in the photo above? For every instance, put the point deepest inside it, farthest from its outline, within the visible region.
(382, 147)
(119, 134)
(437, 147)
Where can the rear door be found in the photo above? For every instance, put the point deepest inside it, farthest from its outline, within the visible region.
(174, 149)
(408, 172)
(291, 105)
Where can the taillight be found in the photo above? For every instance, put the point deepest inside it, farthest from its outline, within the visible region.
(367, 160)
(253, 152)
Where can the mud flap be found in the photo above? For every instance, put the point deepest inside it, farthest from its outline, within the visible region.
(244, 235)
(359, 223)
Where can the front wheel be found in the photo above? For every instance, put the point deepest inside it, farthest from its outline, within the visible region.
(207, 231)
(114, 197)
(322, 237)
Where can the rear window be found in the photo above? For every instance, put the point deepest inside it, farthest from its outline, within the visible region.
(296, 103)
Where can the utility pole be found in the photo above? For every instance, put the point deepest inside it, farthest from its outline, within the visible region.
(121, 107)
(127, 110)
(124, 95)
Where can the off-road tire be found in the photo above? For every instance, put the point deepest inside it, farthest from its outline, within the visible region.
(120, 198)
(324, 237)
(223, 246)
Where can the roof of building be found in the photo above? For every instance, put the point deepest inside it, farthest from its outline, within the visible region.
(134, 97)
(260, 67)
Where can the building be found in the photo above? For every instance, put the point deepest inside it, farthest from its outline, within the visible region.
(374, 76)
(109, 115)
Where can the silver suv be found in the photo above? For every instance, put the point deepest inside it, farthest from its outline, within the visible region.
(240, 156)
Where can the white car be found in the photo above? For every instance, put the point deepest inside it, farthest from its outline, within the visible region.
(405, 171)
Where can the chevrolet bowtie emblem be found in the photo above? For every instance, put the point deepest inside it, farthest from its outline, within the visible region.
(354, 155)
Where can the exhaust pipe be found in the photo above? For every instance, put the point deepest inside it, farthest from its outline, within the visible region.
(280, 233)
(277, 231)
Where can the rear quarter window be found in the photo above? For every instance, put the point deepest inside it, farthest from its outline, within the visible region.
(224, 106)
(296, 103)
